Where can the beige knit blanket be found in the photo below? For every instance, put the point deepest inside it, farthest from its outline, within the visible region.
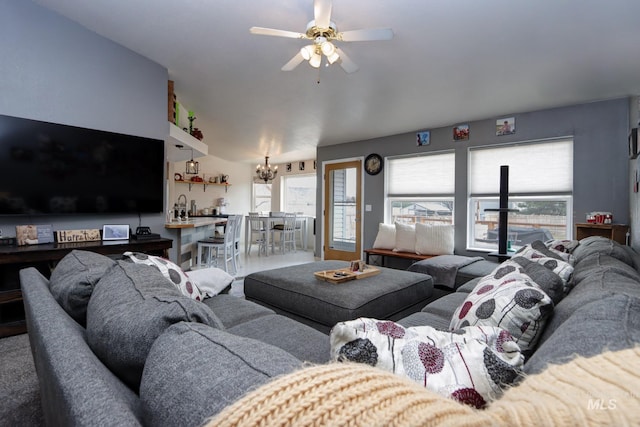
(600, 391)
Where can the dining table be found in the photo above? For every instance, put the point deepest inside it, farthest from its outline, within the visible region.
(268, 222)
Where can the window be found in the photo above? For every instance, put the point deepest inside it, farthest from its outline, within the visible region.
(421, 188)
(540, 188)
(299, 194)
(261, 197)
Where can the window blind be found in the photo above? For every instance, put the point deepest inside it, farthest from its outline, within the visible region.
(541, 167)
(421, 175)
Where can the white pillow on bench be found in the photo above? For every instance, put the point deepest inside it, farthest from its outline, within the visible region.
(434, 239)
(405, 237)
(386, 238)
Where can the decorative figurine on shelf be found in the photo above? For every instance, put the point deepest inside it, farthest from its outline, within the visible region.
(191, 118)
(195, 132)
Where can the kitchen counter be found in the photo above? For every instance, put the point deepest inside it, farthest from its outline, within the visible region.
(186, 235)
(194, 222)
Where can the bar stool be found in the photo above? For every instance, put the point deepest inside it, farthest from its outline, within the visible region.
(212, 248)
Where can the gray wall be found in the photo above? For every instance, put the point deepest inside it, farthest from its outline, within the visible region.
(601, 163)
(57, 71)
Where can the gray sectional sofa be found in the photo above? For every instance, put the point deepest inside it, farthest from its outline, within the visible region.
(114, 347)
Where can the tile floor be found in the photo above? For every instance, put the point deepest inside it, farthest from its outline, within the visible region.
(252, 263)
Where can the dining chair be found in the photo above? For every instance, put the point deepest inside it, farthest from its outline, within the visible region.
(214, 248)
(258, 233)
(286, 230)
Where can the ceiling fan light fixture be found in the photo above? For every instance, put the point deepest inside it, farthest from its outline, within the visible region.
(315, 60)
(307, 52)
(333, 57)
(327, 48)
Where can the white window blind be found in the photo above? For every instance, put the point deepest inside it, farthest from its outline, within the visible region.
(427, 174)
(542, 167)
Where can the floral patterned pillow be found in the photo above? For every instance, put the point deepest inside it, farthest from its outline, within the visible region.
(171, 271)
(506, 299)
(552, 259)
(471, 365)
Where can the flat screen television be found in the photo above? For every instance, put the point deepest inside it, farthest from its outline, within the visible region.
(54, 169)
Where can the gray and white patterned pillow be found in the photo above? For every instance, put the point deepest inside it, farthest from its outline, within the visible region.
(506, 299)
(171, 271)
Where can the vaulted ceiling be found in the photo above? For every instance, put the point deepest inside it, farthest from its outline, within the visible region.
(449, 61)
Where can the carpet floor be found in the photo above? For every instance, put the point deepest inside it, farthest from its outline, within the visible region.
(19, 391)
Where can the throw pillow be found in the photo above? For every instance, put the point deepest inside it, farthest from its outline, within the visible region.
(538, 253)
(434, 239)
(541, 276)
(564, 245)
(194, 371)
(169, 270)
(471, 365)
(73, 279)
(129, 308)
(405, 237)
(506, 299)
(211, 281)
(386, 237)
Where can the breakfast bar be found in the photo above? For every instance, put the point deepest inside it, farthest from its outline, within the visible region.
(186, 235)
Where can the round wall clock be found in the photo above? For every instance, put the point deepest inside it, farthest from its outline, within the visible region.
(373, 164)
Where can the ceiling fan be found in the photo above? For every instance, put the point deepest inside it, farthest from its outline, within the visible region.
(323, 33)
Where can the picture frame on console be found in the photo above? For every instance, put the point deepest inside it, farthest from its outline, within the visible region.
(115, 232)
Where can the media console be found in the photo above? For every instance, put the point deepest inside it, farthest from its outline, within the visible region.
(44, 257)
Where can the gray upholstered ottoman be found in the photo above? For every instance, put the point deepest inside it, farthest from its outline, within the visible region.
(296, 293)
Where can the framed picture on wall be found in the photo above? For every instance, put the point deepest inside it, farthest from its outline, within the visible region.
(423, 138)
(461, 132)
(506, 126)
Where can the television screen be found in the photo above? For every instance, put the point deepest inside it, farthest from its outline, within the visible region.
(48, 168)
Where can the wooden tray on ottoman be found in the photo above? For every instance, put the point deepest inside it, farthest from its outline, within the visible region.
(345, 274)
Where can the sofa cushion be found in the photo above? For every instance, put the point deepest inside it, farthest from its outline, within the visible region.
(601, 245)
(422, 318)
(171, 272)
(299, 340)
(470, 365)
(232, 310)
(129, 308)
(434, 239)
(73, 280)
(600, 284)
(610, 323)
(193, 371)
(474, 270)
(386, 237)
(507, 299)
(443, 269)
(405, 237)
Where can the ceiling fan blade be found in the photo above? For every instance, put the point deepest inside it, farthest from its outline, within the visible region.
(322, 13)
(365, 35)
(293, 63)
(346, 63)
(278, 33)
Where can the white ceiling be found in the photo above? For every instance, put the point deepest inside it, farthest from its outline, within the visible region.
(450, 61)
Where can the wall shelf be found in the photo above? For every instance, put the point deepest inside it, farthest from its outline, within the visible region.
(204, 184)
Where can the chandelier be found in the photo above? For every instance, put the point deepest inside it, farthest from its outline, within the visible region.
(264, 172)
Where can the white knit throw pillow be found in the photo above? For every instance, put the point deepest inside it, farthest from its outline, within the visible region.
(434, 239)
